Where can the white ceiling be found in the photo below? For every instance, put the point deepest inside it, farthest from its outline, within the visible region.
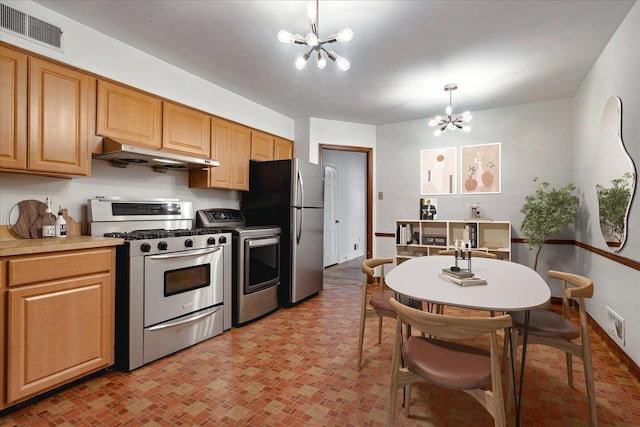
(402, 54)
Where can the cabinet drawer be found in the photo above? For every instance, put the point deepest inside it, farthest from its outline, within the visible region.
(42, 268)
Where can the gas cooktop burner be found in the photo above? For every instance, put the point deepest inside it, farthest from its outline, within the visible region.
(161, 233)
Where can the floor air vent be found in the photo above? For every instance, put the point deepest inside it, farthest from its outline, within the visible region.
(28, 26)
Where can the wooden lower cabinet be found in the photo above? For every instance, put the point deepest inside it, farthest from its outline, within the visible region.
(60, 319)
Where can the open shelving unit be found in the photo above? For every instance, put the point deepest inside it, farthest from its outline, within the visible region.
(428, 237)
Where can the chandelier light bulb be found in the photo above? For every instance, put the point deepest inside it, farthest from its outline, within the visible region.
(312, 13)
(433, 122)
(466, 128)
(344, 35)
(343, 63)
(437, 132)
(302, 60)
(321, 61)
(448, 110)
(285, 36)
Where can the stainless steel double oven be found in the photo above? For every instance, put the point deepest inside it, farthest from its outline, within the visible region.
(256, 265)
(172, 280)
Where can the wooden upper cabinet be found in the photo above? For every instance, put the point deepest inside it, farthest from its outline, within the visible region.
(129, 115)
(13, 105)
(58, 119)
(261, 146)
(186, 130)
(241, 150)
(231, 146)
(283, 149)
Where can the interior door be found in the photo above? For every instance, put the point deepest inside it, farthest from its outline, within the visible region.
(330, 256)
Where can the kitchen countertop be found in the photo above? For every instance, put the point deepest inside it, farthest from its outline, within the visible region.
(11, 247)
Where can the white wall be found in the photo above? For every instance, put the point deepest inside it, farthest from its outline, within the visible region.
(616, 72)
(352, 202)
(92, 51)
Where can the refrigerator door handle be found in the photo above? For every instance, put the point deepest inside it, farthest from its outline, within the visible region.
(300, 212)
(300, 184)
(300, 206)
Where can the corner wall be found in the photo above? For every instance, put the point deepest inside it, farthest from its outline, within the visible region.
(616, 72)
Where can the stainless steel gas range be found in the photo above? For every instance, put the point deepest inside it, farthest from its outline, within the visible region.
(173, 282)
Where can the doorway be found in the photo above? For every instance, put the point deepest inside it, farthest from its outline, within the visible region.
(368, 184)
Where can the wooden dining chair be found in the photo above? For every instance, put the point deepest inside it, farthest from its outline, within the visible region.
(448, 364)
(549, 328)
(378, 302)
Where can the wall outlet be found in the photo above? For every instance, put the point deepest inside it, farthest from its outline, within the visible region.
(615, 326)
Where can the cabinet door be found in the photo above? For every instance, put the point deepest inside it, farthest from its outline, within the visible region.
(231, 146)
(221, 150)
(241, 150)
(283, 149)
(261, 146)
(58, 331)
(58, 116)
(186, 131)
(13, 105)
(129, 115)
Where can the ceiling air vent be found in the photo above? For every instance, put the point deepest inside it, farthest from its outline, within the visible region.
(30, 27)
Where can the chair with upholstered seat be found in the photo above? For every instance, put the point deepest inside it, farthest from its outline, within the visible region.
(549, 328)
(379, 300)
(448, 364)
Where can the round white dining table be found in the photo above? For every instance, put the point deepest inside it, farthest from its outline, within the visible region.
(510, 286)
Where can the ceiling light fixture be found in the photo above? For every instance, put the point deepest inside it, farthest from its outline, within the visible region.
(313, 41)
(449, 121)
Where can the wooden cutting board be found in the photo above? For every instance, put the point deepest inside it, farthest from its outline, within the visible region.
(31, 218)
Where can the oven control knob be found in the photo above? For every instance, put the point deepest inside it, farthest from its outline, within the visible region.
(222, 239)
(145, 247)
(188, 243)
(163, 246)
(211, 241)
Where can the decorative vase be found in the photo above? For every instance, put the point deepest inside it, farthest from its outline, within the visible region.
(470, 184)
(487, 179)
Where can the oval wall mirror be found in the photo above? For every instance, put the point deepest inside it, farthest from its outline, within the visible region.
(615, 179)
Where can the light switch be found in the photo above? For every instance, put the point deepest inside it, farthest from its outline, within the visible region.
(380, 195)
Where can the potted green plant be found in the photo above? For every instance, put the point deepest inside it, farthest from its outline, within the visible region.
(546, 211)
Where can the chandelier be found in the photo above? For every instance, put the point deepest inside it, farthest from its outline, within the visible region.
(449, 121)
(316, 46)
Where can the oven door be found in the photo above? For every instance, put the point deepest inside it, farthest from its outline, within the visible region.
(180, 283)
(261, 263)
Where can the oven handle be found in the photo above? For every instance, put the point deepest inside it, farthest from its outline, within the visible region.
(183, 321)
(185, 254)
(256, 243)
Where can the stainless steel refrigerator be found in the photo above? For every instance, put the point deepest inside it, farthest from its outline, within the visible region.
(290, 194)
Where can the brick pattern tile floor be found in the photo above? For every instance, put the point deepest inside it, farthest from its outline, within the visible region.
(297, 367)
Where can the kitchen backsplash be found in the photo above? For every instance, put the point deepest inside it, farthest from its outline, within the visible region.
(134, 182)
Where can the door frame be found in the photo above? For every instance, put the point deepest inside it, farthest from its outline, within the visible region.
(369, 190)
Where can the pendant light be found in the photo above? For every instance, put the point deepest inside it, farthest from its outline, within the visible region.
(449, 121)
(312, 40)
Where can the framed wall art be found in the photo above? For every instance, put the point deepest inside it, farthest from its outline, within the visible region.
(480, 169)
(438, 171)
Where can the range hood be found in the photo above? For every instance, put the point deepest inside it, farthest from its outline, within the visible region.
(122, 154)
